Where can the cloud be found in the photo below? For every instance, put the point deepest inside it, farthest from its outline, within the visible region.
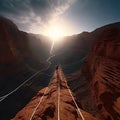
(28, 14)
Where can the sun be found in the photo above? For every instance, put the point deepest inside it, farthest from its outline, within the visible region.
(55, 33)
(58, 29)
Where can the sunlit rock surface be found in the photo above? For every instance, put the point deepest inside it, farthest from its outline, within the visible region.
(53, 106)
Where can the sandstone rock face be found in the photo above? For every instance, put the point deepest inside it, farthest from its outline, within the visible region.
(96, 84)
(53, 103)
(15, 46)
(102, 70)
(17, 64)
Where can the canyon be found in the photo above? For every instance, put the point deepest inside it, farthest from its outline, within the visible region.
(90, 62)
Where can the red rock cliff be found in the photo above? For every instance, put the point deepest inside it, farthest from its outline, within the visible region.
(17, 64)
(102, 69)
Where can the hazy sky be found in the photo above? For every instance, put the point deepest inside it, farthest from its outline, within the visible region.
(74, 16)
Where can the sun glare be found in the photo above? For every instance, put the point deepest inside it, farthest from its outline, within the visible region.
(55, 33)
(57, 29)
